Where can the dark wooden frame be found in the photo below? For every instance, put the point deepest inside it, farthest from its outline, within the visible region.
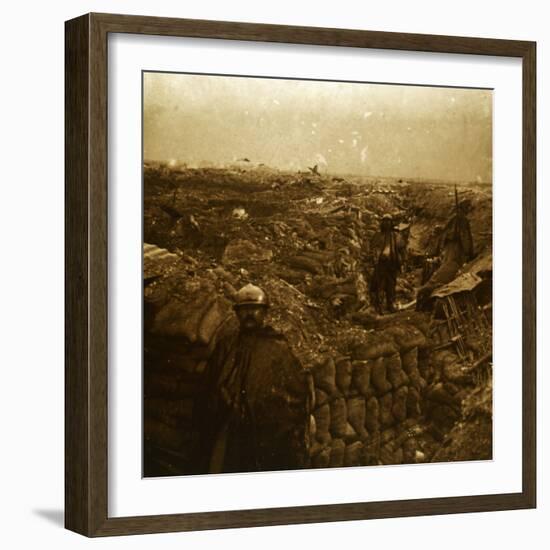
(86, 274)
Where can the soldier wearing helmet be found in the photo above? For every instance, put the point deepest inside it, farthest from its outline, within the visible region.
(455, 247)
(389, 251)
(251, 306)
(386, 223)
(254, 409)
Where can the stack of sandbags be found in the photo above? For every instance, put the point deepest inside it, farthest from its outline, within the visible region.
(339, 418)
(172, 380)
(158, 261)
(368, 401)
(196, 318)
(183, 314)
(398, 445)
(168, 422)
(171, 383)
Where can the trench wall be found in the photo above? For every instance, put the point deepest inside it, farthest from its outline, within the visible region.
(366, 401)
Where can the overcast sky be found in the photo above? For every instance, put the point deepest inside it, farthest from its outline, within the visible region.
(345, 128)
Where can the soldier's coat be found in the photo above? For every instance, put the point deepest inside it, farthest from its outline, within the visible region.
(254, 409)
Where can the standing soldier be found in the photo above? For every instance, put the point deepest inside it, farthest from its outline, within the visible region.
(388, 248)
(253, 413)
(455, 248)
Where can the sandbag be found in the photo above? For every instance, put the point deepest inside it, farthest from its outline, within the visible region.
(343, 374)
(456, 373)
(328, 290)
(200, 367)
(353, 455)
(388, 435)
(418, 319)
(397, 457)
(357, 416)
(399, 407)
(386, 416)
(394, 373)
(440, 394)
(372, 449)
(389, 454)
(386, 453)
(316, 447)
(324, 375)
(409, 360)
(173, 412)
(312, 428)
(416, 380)
(182, 319)
(323, 256)
(378, 376)
(320, 397)
(372, 415)
(211, 320)
(408, 425)
(360, 378)
(338, 417)
(161, 435)
(426, 367)
(407, 337)
(337, 450)
(373, 346)
(166, 353)
(321, 459)
(322, 423)
(410, 447)
(169, 385)
(310, 389)
(242, 251)
(442, 358)
(413, 403)
(350, 434)
(225, 276)
(306, 264)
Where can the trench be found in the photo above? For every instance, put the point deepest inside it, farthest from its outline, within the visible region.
(402, 388)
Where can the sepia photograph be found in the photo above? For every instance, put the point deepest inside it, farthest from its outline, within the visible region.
(317, 274)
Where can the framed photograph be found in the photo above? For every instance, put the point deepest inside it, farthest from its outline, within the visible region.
(280, 248)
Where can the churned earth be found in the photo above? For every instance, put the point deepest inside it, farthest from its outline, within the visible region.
(383, 395)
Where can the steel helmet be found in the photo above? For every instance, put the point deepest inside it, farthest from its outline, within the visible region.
(251, 295)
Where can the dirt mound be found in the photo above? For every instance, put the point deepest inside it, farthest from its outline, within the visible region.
(471, 438)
